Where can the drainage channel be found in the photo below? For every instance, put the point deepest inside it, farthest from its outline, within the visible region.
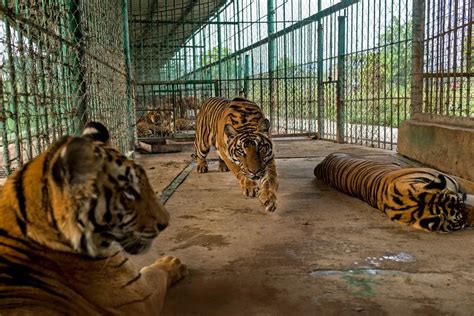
(176, 182)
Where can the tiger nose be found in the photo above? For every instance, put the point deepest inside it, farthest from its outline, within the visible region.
(161, 227)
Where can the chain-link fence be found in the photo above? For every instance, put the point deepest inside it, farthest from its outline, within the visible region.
(61, 63)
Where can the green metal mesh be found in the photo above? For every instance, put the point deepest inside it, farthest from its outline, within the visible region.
(62, 63)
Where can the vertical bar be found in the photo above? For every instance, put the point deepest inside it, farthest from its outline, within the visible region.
(320, 82)
(417, 57)
(13, 88)
(246, 75)
(4, 131)
(126, 51)
(77, 63)
(24, 87)
(341, 47)
(271, 57)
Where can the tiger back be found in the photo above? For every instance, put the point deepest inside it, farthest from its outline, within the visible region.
(240, 132)
(68, 217)
(423, 198)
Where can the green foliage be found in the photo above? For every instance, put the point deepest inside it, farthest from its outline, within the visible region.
(230, 69)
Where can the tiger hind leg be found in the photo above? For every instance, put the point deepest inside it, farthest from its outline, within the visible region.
(222, 166)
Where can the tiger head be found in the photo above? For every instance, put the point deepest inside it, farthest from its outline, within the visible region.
(92, 197)
(250, 148)
(439, 203)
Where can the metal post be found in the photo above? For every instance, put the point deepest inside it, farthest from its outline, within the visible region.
(320, 82)
(12, 88)
(341, 47)
(271, 58)
(417, 57)
(246, 75)
(219, 51)
(126, 51)
(78, 64)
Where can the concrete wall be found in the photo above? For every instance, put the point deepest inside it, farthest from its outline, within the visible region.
(444, 147)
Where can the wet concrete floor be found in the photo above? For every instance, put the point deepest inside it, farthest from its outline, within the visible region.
(320, 253)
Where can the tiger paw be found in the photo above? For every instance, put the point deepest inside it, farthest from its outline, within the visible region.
(223, 167)
(250, 191)
(268, 200)
(202, 167)
(175, 268)
(249, 187)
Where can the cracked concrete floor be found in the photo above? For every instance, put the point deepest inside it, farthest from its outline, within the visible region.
(322, 252)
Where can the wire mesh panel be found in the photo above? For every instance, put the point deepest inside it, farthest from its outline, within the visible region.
(60, 67)
(448, 69)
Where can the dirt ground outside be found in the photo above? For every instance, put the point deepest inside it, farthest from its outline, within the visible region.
(321, 252)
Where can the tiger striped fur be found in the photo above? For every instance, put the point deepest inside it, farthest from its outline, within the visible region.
(423, 198)
(241, 134)
(66, 216)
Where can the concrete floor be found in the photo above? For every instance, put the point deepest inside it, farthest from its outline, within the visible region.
(322, 252)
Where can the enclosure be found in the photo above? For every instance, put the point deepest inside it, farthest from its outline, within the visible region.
(391, 80)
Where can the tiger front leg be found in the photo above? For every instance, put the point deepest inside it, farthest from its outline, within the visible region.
(268, 189)
(163, 273)
(248, 187)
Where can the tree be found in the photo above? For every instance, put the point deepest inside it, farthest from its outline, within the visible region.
(230, 69)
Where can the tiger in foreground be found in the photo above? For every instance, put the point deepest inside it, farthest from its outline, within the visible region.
(420, 197)
(65, 218)
(239, 131)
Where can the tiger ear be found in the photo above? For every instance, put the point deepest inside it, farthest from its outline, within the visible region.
(265, 126)
(437, 183)
(97, 132)
(78, 163)
(230, 131)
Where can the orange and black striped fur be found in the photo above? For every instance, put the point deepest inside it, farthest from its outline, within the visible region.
(420, 197)
(67, 219)
(241, 134)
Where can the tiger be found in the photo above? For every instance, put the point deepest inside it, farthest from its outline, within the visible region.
(240, 132)
(151, 117)
(68, 218)
(149, 130)
(155, 122)
(423, 198)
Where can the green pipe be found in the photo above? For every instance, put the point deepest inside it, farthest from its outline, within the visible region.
(271, 57)
(4, 130)
(77, 59)
(126, 51)
(24, 88)
(63, 54)
(417, 58)
(219, 47)
(341, 48)
(320, 81)
(12, 89)
(246, 75)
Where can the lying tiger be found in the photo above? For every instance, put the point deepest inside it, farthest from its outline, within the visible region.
(241, 134)
(65, 218)
(421, 197)
(155, 122)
